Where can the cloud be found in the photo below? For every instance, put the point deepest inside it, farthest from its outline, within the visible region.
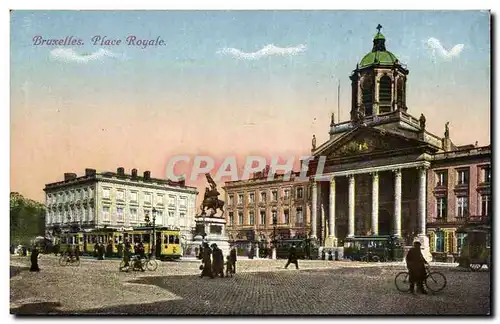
(267, 50)
(438, 48)
(70, 55)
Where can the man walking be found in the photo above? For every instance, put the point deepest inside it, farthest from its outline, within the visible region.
(292, 257)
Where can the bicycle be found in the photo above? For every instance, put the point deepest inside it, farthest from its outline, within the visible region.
(69, 260)
(139, 263)
(434, 281)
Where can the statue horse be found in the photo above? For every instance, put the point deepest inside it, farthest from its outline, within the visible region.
(212, 203)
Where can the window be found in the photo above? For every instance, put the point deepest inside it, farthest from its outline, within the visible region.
(367, 94)
(182, 215)
(385, 95)
(463, 177)
(159, 199)
(84, 214)
(287, 193)
(286, 214)
(441, 207)
(275, 195)
(486, 174)
(240, 199)
(171, 239)
(231, 218)
(231, 200)
(171, 214)
(300, 216)
(159, 217)
(77, 194)
(262, 217)
(183, 202)
(275, 217)
(460, 241)
(440, 241)
(486, 205)
(66, 196)
(120, 195)
(91, 193)
(105, 213)
(133, 214)
(441, 178)
(171, 200)
(147, 198)
(240, 218)
(119, 214)
(251, 197)
(85, 193)
(462, 206)
(300, 192)
(263, 197)
(105, 193)
(251, 215)
(91, 214)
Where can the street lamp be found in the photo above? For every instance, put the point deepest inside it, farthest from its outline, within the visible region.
(275, 222)
(154, 234)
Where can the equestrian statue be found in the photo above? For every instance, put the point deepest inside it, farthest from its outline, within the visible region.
(211, 199)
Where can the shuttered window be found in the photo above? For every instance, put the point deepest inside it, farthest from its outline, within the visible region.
(432, 242)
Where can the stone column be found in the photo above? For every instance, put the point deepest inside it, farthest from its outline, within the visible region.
(422, 172)
(350, 232)
(321, 214)
(397, 203)
(331, 215)
(374, 203)
(422, 213)
(314, 209)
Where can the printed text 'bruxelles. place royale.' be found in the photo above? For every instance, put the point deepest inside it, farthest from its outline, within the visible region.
(99, 40)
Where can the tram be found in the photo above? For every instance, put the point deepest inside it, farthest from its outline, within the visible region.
(476, 248)
(167, 241)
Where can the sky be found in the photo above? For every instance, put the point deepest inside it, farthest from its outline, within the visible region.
(222, 83)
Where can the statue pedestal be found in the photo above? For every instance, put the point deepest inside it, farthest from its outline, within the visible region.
(215, 230)
(425, 246)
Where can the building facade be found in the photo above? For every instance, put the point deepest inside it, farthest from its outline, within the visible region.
(460, 194)
(253, 204)
(380, 175)
(119, 201)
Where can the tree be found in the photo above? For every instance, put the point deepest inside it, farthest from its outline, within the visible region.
(27, 219)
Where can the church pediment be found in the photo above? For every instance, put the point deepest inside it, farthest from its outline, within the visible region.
(366, 141)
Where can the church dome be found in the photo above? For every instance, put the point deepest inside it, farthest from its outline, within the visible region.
(379, 55)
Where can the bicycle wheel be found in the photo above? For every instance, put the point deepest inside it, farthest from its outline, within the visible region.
(376, 258)
(402, 281)
(124, 267)
(62, 261)
(435, 281)
(151, 265)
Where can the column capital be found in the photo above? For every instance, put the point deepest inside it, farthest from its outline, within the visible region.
(332, 181)
(397, 172)
(423, 168)
(350, 177)
(374, 174)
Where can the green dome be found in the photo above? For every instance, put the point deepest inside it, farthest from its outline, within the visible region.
(378, 57)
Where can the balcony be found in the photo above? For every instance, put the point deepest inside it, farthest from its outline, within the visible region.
(478, 219)
(438, 221)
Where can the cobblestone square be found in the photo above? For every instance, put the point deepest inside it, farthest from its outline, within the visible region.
(261, 287)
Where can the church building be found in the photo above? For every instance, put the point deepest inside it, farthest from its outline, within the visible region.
(375, 180)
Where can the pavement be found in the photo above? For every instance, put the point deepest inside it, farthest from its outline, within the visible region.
(260, 287)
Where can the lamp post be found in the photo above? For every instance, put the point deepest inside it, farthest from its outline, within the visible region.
(275, 222)
(153, 244)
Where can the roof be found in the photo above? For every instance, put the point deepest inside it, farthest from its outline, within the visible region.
(379, 57)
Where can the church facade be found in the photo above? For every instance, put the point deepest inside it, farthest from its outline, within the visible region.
(375, 180)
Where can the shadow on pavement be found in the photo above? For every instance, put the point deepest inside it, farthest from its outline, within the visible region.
(15, 270)
(42, 308)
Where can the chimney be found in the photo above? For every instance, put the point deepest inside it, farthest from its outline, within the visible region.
(134, 174)
(89, 172)
(147, 175)
(120, 171)
(69, 176)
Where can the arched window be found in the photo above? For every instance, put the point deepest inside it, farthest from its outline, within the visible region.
(400, 93)
(367, 94)
(384, 94)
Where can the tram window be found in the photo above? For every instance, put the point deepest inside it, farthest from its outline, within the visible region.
(165, 239)
(81, 239)
(137, 238)
(145, 238)
(176, 239)
(171, 239)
